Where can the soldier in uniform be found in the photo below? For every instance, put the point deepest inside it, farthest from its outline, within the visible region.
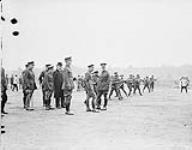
(115, 86)
(103, 87)
(68, 84)
(136, 84)
(41, 76)
(122, 84)
(90, 93)
(78, 83)
(95, 78)
(184, 83)
(129, 83)
(152, 83)
(48, 87)
(29, 85)
(146, 82)
(24, 94)
(58, 81)
(3, 91)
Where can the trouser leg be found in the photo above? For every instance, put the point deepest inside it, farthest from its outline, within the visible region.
(99, 99)
(44, 103)
(111, 92)
(124, 91)
(57, 102)
(130, 90)
(93, 102)
(105, 99)
(24, 98)
(68, 102)
(87, 102)
(181, 89)
(139, 89)
(28, 99)
(3, 100)
(186, 89)
(148, 87)
(62, 100)
(17, 89)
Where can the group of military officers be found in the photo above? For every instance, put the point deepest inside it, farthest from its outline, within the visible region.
(58, 82)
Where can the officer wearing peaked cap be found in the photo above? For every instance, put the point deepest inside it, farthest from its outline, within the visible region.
(29, 84)
(48, 86)
(68, 85)
(90, 94)
(103, 87)
(41, 77)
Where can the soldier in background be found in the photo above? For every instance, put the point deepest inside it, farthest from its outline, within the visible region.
(68, 84)
(184, 83)
(58, 81)
(78, 83)
(95, 78)
(90, 93)
(136, 84)
(152, 83)
(129, 83)
(122, 87)
(41, 77)
(146, 82)
(48, 87)
(11, 81)
(29, 85)
(115, 86)
(15, 83)
(103, 87)
(3, 91)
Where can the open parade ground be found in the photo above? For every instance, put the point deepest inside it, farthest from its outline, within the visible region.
(161, 120)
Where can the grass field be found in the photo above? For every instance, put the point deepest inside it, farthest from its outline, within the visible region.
(161, 120)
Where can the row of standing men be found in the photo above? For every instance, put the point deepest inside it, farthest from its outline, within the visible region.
(60, 83)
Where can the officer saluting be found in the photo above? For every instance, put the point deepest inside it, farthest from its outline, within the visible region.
(68, 84)
(103, 87)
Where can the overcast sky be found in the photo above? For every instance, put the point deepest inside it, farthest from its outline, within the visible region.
(140, 33)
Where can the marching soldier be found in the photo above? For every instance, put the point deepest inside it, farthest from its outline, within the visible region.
(89, 89)
(136, 84)
(184, 83)
(152, 83)
(115, 86)
(58, 81)
(41, 77)
(95, 78)
(146, 82)
(103, 87)
(129, 83)
(48, 85)
(29, 84)
(3, 91)
(68, 85)
(122, 84)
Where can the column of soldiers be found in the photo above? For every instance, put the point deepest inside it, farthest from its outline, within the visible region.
(133, 84)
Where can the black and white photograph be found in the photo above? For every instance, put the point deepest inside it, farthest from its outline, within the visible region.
(96, 74)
